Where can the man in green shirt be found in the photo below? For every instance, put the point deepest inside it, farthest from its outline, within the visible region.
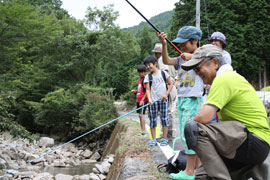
(242, 137)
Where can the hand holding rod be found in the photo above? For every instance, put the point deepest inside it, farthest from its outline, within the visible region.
(173, 45)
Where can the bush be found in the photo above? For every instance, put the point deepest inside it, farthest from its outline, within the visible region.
(129, 98)
(267, 88)
(7, 122)
(75, 110)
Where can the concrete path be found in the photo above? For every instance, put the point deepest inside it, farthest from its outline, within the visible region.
(162, 153)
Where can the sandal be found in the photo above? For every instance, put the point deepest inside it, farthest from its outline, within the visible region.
(153, 142)
(159, 139)
(164, 142)
(181, 176)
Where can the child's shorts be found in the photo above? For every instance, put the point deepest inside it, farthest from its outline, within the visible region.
(162, 107)
(142, 110)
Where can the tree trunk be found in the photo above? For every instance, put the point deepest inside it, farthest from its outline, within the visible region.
(264, 77)
(260, 81)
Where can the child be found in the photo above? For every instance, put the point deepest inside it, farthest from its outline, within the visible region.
(141, 98)
(157, 94)
(219, 39)
(190, 89)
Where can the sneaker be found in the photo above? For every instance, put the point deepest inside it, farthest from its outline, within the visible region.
(181, 176)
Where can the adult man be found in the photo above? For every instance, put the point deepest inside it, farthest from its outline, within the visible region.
(173, 94)
(242, 137)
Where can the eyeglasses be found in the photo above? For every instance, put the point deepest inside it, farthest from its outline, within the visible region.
(197, 68)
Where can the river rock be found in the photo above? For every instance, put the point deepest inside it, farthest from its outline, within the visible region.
(63, 177)
(6, 136)
(71, 162)
(5, 157)
(69, 147)
(105, 166)
(101, 176)
(3, 163)
(44, 176)
(95, 156)
(94, 177)
(95, 171)
(110, 159)
(84, 177)
(59, 163)
(99, 168)
(88, 161)
(86, 154)
(25, 175)
(46, 142)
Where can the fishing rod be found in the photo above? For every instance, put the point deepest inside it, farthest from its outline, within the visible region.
(154, 27)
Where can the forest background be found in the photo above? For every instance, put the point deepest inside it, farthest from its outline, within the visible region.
(59, 75)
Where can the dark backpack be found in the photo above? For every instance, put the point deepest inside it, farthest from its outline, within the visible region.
(151, 79)
(175, 163)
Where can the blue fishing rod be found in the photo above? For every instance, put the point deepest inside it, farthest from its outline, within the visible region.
(154, 27)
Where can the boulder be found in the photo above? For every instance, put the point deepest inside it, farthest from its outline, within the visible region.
(63, 177)
(46, 142)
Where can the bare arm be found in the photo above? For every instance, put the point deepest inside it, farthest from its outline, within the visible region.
(165, 57)
(148, 93)
(206, 114)
(142, 100)
(169, 81)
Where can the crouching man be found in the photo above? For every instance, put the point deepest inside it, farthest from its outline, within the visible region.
(242, 138)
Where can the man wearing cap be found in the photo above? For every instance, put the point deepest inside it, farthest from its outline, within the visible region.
(189, 87)
(241, 140)
(173, 94)
(219, 39)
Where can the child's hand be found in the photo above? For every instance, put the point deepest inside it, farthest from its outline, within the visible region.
(186, 56)
(151, 102)
(133, 91)
(141, 103)
(164, 96)
(162, 37)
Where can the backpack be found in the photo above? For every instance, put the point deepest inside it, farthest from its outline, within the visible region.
(175, 163)
(151, 79)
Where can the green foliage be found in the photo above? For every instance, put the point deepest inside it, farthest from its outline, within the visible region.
(244, 23)
(101, 19)
(75, 110)
(96, 111)
(267, 88)
(7, 122)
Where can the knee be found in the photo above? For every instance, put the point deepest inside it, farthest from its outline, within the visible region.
(191, 133)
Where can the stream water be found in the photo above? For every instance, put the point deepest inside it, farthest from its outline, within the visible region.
(76, 170)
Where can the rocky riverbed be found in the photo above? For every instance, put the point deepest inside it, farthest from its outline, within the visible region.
(20, 159)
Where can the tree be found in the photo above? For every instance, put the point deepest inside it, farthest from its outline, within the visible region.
(245, 24)
(101, 19)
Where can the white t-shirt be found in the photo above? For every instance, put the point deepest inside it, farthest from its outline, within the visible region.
(227, 57)
(189, 84)
(158, 88)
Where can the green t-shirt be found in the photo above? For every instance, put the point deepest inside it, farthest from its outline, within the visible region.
(237, 100)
